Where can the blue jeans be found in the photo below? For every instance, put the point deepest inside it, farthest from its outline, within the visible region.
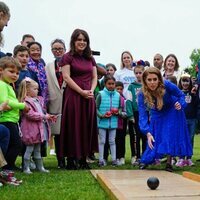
(111, 139)
(14, 146)
(4, 138)
(191, 123)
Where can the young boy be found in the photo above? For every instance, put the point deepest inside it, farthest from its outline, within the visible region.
(133, 115)
(121, 130)
(21, 53)
(9, 73)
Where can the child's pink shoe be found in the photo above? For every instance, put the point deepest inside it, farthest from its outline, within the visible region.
(181, 163)
(189, 162)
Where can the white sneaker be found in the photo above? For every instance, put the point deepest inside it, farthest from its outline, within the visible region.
(122, 161)
(27, 171)
(52, 152)
(118, 162)
(133, 159)
(44, 170)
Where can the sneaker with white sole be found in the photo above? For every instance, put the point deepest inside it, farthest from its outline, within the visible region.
(133, 159)
(189, 162)
(181, 163)
(102, 163)
(115, 163)
(137, 162)
(122, 161)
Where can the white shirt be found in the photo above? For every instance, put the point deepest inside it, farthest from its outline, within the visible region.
(126, 76)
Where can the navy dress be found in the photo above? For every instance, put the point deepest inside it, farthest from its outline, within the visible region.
(167, 126)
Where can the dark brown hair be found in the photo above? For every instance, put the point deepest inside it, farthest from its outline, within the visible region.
(176, 62)
(87, 53)
(27, 36)
(19, 48)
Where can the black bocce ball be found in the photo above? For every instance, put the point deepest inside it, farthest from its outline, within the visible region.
(153, 183)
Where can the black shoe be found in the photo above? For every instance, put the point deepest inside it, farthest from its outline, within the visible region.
(169, 168)
(61, 163)
(71, 164)
(83, 164)
(143, 166)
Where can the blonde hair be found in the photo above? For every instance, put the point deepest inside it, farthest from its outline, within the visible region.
(152, 97)
(23, 88)
(122, 64)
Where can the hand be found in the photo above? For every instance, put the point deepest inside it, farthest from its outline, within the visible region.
(150, 140)
(26, 108)
(114, 111)
(177, 106)
(4, 106)
(52, 118)
(107, 114)
(194, 90)
(47, 116)
(88, 94)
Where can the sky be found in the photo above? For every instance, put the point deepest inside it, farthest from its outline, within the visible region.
(143, 27)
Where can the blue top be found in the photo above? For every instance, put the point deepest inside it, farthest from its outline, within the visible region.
(106, 100)
(22, 75)
(168, 126)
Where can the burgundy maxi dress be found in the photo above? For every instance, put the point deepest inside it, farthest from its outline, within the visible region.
(79, 136)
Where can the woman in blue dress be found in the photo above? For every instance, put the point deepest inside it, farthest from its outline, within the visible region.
(162, 119)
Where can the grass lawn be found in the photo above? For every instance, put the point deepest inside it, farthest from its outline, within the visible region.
(72, 185)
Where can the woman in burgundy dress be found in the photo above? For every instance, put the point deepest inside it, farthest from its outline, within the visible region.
(79, 126)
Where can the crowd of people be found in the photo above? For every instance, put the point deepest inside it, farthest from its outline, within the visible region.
(84, 107)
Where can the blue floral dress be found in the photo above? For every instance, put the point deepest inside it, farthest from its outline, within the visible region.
(168, 126)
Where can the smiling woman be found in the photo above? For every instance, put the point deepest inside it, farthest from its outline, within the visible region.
(79, 126)
(37, 66)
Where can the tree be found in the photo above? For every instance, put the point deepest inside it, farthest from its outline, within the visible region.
(195, 58)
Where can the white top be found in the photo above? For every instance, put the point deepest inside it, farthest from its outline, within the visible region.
(177, 74)
(126, 76)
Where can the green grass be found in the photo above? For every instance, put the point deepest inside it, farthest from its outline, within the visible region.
(73, 185)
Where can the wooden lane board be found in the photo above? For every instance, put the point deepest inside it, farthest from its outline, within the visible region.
(132, 184)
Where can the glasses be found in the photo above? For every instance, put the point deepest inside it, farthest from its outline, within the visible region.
(58, 49)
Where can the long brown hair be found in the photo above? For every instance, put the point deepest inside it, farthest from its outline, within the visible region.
(149, 95)
(87, 53)
(176, 62)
